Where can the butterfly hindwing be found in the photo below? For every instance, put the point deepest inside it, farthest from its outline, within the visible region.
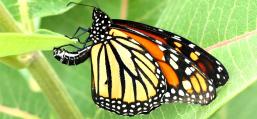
(125, 80)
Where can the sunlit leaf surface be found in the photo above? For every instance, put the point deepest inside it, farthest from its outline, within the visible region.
(230, 23)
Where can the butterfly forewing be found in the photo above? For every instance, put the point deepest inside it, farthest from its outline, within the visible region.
(192, 85)
(185, 81)
(206, 62)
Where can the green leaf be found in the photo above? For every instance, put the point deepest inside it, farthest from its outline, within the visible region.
(18, 43)
(20, 98)
(216, 25)
(37, 8)
(207, 23)
(242, 106)
(39, 69)
(240, 78)
(79, 16)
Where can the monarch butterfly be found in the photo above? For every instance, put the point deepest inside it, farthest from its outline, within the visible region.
(137, 67)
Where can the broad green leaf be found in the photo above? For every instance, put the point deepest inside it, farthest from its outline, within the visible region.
(17, 43)
(65, 104)
(197, 21)
(79, 16)
(36, 8)
(20, 98)
(150, 13)
(205, 22)
(240, 78)
(242, 106)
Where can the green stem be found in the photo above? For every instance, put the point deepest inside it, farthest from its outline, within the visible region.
(53, 88)
(7, 22)
(42, 72)
(26, 21)
(16, 62)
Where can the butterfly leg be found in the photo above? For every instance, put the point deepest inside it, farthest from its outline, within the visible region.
(79, 32)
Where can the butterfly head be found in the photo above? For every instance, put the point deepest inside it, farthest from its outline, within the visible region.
(101, 24)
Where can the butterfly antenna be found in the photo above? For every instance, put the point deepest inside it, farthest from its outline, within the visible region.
(80, 4)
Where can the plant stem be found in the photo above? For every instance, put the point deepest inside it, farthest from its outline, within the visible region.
(43, 73)
(53, 88)
(15, 61)
(26, 21)
(7, 22)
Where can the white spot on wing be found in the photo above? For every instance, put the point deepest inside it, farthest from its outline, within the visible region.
(186, 84)
(218, 76)
(197, 53)
(174, 57)
(220, 69)
(173, 91)
(173, 64)
(159, 42)
(109, 37)
(210, 88)
(187, 61)
(188, 71)
(191, 45)
(201, 97)
(207, 95)
(218, 62)
(158, 71)
(149, 56)
(181, 93)
(192, 69)
(162, 48)
(167, 94)
(176, 37)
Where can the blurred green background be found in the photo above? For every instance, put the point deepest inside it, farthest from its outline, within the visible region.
(205, 22)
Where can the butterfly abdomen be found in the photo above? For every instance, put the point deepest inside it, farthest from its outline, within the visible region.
(71, 58)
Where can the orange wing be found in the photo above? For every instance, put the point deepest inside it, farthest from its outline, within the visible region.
(208, 64)
(186, 82)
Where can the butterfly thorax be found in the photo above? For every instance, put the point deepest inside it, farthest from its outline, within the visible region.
(99, 32)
